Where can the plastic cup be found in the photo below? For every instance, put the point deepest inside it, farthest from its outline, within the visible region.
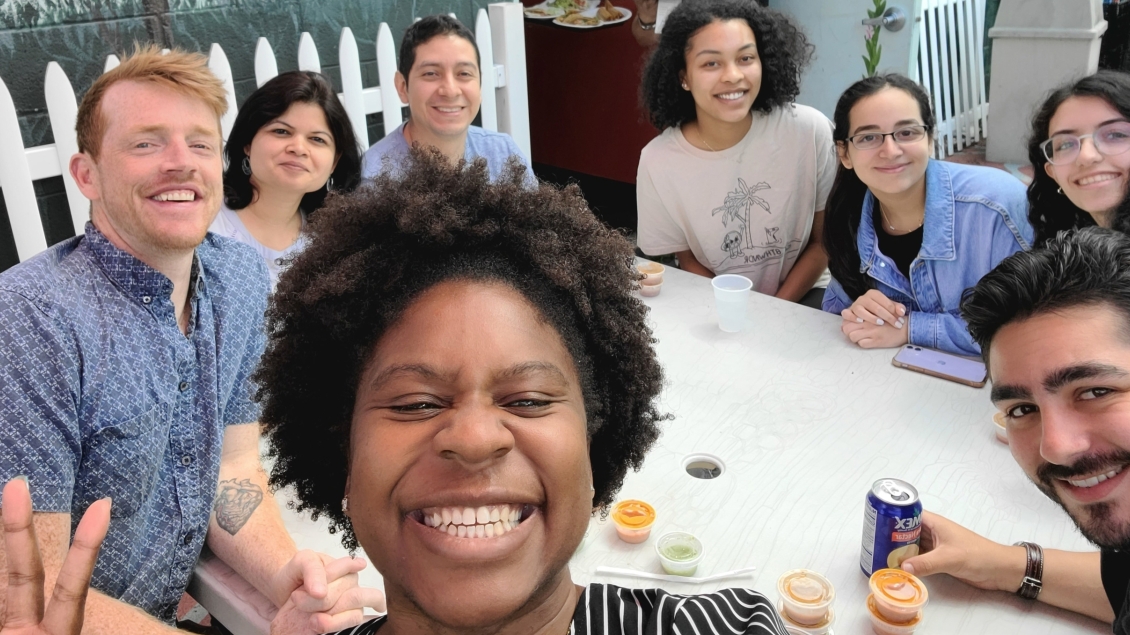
(650, 290)
(883, 627)
(633, 520)
(652, 273)
(999, 428)
(731, 297)
(823, 628)
(679, 552)
(806, 598)
(898, 595)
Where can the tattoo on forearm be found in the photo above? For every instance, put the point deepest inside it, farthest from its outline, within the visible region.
(235, 502)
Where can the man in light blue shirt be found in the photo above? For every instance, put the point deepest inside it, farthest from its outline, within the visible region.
(439, 77)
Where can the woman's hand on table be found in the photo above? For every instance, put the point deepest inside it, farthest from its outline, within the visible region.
(326, 596)
(25, 613)
(975, 560)
(868, 335)
(875, 308)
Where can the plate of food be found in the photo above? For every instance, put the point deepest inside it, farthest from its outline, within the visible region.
(551, 9)
(604, 15)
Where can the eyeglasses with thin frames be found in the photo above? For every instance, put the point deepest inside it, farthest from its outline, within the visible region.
(1109, 140)
(902, 136)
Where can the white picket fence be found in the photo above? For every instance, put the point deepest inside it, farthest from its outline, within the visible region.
(499, 30)
(951, 67)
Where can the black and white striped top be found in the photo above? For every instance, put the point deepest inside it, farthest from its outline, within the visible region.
(610, 610)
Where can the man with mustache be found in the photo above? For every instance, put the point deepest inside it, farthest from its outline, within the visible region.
(1054, 328)
(126, 356)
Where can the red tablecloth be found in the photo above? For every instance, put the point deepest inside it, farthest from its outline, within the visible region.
(584, 97)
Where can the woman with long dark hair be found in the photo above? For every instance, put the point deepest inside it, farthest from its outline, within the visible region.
(1078, 184)
(291, 143)
(737, 180)
(906, 234)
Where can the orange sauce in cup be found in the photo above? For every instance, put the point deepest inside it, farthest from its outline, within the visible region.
(633, 519)
(899, 596)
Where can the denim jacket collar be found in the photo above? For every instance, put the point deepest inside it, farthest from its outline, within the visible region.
(938, 224)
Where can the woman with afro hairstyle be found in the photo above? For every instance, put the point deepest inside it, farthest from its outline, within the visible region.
(736, 182)
(458, 375)
(1078, 184)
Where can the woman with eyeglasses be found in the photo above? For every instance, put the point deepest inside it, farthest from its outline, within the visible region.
(1078, 147)
(291, 144)
(906, 234)
(737, 180)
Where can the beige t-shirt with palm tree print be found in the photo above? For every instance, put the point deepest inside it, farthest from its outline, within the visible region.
(745, 210)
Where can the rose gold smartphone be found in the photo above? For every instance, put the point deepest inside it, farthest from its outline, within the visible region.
(944, 365)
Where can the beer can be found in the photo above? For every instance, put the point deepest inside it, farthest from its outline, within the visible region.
(892, 519)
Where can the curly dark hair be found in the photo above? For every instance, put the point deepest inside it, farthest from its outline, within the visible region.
(268, 103)
(379, 248)
(1050, 212)
(782, 46)
(1083, 267)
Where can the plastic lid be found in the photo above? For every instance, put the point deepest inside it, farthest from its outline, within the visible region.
(650, 267)
(898, 588)
(801, 586)
(633, 514)
(805, 589)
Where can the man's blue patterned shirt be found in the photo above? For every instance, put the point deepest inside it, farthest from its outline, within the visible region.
(102, 395)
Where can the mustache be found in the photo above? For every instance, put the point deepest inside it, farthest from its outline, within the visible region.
(1087, 465)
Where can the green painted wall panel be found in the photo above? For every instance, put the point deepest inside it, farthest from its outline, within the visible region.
(79, 34)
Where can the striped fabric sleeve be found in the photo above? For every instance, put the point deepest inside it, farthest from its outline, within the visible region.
(605, 609)
(610, 610)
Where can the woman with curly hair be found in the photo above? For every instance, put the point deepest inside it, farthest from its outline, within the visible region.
(458, 375)
(291, 144)
(905, 234)
(1077, 184)
(736, 182)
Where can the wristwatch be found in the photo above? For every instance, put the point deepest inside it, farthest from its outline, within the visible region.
(1033, 572)
(646, 26)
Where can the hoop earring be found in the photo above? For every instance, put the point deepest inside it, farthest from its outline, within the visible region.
(330, 184)
(247, 165)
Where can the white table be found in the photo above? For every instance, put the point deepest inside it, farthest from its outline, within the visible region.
(805, 422)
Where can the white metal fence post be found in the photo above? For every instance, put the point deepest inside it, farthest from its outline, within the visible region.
(386, 76)
(308, 54)
(63, 111)
(487, 71)
(266, 67)
(508, 31)
(15, 181)
(218, 63)
(351, 85)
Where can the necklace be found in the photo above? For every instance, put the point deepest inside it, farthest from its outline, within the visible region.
(887, 222)
(703, 139)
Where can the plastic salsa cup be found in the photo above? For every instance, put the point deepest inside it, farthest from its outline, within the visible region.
(883, 627)
(633, 520)
(806, 596)
(652, 271)
(679, 552)
(898, 595)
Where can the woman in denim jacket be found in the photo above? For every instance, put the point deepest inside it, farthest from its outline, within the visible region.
(905, 234)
